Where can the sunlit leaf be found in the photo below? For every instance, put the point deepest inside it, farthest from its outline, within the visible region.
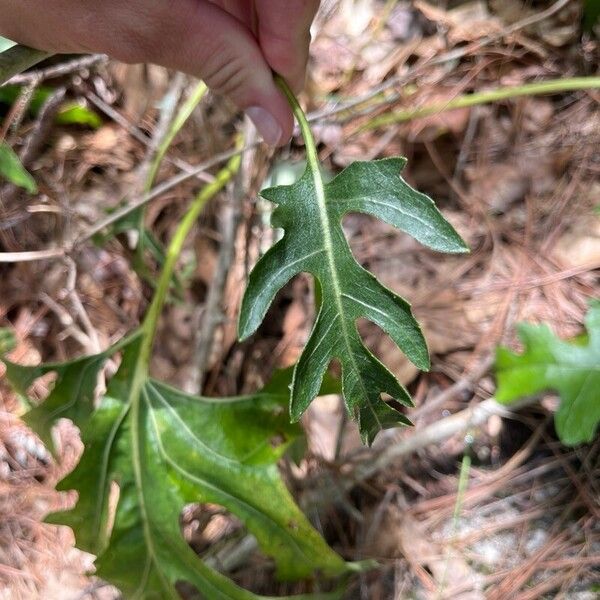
(549, 363)
(74, 113)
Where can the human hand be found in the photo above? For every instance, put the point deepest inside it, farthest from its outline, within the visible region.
(231, 44)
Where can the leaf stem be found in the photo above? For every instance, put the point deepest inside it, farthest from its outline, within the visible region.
(173, 128)
(553, 86)
(179, 121)
(309, 141)
(174, 250)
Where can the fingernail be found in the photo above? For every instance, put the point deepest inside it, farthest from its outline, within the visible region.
(267, 126)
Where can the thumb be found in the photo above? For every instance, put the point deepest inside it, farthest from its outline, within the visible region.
(205, 41)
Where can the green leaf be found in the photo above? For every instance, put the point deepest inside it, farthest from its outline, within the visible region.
(71, 397)
(5, 44)
(70, 113)
(12, 170)
(150, 450)
(310, 212)
(549, 363)
(74, 113)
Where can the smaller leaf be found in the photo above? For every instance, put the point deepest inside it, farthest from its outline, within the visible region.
(310, 212)
(549, 363)
(12, 170)
(76, 114)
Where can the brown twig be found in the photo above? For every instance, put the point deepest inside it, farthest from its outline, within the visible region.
(159, 190)
(469, 418)
(465, 383)
(61, 70)
(71, 291)
(18, 110)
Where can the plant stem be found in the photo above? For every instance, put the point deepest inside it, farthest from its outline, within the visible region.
(164, 144)
(463, 483)
(311, 151)
(18, 58)
(553, 86)
(309, 142)
(179, 121)
(174, 250)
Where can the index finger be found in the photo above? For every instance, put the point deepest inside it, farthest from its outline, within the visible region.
(284, 36)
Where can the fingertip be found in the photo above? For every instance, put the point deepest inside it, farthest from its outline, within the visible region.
(272, 117)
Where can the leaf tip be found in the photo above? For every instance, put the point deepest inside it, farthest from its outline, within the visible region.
(245, 326)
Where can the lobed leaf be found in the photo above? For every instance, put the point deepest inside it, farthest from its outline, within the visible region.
(310, 212)
(549, 363)
(146, 458)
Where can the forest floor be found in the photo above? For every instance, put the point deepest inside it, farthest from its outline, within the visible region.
(501, 510)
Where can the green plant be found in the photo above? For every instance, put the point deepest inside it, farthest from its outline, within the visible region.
(165, 449)
(551, 86)
(311, 213)
(13, 171)
(151, 449)
(549, 363)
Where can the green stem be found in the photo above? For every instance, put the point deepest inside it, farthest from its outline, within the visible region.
(174, 250)
(309, 141)
(311, 153)
(149, 325)
(553, 86)
(18, 58)
(178, 122)
(463, 484)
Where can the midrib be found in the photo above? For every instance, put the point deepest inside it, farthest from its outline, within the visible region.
(328, 243)
(313, 165)
(137, 388)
